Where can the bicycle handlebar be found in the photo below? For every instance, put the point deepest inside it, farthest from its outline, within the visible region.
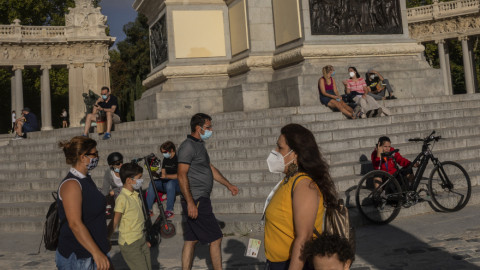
(428, 139)
(389, 154)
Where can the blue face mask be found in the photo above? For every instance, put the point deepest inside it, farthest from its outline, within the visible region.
(206, 135)
(167, 155)
(117, 170)
(333, 73)
(138, 184)
(104, 97)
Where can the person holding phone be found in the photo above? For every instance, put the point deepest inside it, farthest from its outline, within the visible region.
(384, 145)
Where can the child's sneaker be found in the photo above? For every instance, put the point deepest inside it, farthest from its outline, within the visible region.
(106, 136)
(169, 214)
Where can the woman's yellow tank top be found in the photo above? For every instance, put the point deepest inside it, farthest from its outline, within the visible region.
(279, 230)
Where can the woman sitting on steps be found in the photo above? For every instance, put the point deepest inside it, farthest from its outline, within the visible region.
(329, 94)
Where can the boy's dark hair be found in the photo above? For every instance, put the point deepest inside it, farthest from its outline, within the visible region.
(328, 245)
(168, 146)
(199, 119)
(383, 139)
(105, 88)
(129, 170)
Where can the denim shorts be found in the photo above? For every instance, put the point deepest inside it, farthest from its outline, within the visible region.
(72, 263)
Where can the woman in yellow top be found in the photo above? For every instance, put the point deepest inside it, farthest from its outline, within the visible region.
(297, 203)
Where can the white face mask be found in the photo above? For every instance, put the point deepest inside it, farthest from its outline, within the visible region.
(372, 77)
(275, 162)
(352, 74)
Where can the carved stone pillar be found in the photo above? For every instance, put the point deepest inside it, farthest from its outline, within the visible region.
(473, 66)
(75, 91)
(45, 98)
(12, 91)
(467, 65)
(449, 68)
(441, 56)
(18, 89)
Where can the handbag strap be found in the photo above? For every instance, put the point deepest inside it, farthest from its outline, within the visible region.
(314, 229)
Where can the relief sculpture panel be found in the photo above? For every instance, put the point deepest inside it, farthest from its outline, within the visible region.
(355, 17)
(158, 42)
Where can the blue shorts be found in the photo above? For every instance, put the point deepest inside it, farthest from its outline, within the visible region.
(27, 128)
(205, 227)
(73, 262)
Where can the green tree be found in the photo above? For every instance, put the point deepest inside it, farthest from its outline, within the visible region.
(130, 65)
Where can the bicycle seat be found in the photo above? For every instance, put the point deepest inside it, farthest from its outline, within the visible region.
(389, 154)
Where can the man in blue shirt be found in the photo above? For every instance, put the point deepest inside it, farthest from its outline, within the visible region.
(109, 104)
(27, 123)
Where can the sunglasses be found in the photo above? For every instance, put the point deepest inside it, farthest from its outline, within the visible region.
(118, 163)
(95, 154)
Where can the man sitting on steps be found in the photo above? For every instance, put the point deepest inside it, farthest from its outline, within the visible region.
(109, 104)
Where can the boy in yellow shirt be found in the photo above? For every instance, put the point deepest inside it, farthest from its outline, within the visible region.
(128, 213)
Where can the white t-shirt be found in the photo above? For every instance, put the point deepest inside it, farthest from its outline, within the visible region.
(13, 117)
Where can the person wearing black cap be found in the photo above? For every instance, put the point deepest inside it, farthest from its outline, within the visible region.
(27, 123)
(112, 184)
(378, 85)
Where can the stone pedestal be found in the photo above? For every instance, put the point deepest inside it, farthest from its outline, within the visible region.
(273, 53)
(190, 51)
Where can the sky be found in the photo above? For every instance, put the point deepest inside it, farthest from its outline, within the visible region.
(119, 13)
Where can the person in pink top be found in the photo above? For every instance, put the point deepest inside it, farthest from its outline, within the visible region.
(329, 96)
(358, 87)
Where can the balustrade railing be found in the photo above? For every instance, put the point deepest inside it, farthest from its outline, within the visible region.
(442, 10)
(31, 32)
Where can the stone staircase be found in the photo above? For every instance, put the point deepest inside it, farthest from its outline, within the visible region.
(31, 169)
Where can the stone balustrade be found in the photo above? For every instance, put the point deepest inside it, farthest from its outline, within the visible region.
(442, 10)
(31, 32)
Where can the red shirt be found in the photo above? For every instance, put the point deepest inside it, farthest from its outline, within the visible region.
(389, 166)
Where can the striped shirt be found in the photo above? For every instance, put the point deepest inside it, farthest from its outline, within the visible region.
(357, 86)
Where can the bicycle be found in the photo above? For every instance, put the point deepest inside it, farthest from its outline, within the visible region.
(449, 186)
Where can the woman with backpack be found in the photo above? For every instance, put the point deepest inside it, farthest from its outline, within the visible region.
(82, 242)
(297, 204)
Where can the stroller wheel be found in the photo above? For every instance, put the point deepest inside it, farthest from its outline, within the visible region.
(167, 230)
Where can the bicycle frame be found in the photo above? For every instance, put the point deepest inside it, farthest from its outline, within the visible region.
(422, 158)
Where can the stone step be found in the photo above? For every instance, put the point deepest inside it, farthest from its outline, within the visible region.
(319, 129)
(237, 224)
(470, 127)
(183, 129)
(447, 152)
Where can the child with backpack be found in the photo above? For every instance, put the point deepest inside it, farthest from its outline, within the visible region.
(129, 215)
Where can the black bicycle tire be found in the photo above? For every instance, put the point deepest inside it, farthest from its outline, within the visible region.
(394, 181)
(431, 192)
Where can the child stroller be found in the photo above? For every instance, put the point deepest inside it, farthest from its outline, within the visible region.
(161, 226)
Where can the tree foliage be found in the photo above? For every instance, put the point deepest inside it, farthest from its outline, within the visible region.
(130, 65)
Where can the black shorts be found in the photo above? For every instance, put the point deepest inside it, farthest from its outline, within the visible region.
(205, 227)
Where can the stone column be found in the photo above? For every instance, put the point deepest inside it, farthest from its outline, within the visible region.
(75, 91)
(45, 98)
(473, 66)
(467, 65)
(12, 91)
(449, 68)
(18, 89)
(441, 56)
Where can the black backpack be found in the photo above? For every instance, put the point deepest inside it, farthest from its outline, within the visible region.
(51, 228)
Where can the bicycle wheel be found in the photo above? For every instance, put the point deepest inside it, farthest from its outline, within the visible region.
(449, 186)
(382, 204)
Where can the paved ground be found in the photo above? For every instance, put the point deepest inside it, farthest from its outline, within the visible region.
(431, 241)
